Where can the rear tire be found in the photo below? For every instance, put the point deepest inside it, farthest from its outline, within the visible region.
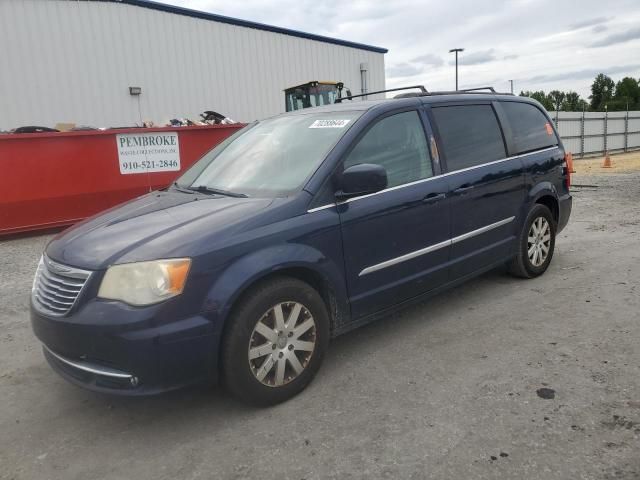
(276, 341)
(536, 244)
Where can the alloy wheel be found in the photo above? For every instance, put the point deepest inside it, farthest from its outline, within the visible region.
(539, 241)
(282, 343)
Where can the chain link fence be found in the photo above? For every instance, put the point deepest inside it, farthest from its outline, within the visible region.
(593, 133)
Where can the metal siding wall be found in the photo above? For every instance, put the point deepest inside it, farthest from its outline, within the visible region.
(570, 129)
(634, 126)
(74, 61)
(572, 144)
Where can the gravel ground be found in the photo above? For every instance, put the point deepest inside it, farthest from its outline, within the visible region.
(500, 378)
(625, 163)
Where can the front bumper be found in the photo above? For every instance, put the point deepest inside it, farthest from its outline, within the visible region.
(113, 348)
(88, 374)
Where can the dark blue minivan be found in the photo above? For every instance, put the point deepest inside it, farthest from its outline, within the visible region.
(294, 230)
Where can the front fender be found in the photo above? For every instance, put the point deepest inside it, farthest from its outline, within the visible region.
(250, 268)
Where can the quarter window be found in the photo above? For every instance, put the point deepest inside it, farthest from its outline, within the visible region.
(530, 127)
(470, 135)
(398, 144)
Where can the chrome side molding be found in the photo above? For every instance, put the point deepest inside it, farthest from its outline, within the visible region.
(404, 258)
(481, 230)
(433, 248)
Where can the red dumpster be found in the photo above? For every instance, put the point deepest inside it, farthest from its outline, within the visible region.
(56, 179)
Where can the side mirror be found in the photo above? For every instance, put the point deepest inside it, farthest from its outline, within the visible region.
(362, 179)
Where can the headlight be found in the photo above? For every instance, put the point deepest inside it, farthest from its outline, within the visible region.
(145, 283)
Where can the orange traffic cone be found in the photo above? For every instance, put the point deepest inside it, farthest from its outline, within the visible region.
(569, 159)
(607, 161)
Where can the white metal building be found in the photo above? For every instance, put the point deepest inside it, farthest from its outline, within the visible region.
(74, 61)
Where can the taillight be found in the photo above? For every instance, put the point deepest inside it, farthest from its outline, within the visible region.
(568, 167)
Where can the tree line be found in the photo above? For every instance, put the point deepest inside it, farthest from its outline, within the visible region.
(605, 94)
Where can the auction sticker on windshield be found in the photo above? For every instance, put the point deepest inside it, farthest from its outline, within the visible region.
(148, 152)
(329, 124)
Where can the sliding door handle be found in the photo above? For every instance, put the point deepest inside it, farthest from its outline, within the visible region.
(464, 188)
(434, 197)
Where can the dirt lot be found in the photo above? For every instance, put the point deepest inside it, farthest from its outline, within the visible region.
(627, 163)
(500, 378)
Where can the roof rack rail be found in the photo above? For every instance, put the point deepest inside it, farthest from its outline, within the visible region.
(425, 93)
(421, 87)
(477, 89)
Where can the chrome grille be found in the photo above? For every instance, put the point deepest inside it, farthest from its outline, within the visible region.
(56, 287)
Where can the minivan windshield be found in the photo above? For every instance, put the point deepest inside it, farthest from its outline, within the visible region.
(272, 157)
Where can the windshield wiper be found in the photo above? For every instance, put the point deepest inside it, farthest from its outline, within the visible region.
(182, 189)
(217, 191)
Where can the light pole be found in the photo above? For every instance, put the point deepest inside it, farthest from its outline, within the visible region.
(456, 50)
(511, 82)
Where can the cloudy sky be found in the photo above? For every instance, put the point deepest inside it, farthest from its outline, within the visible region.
(540, 44)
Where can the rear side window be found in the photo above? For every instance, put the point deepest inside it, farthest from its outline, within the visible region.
(399, 145)
(530, 127)
(470, 135)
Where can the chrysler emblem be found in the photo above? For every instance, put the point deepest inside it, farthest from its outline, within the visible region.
(56, 267)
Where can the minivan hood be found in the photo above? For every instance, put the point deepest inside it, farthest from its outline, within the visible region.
(156, 225)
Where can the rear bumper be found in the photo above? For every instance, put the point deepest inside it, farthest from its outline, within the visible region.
(564, 211)
(133, 355)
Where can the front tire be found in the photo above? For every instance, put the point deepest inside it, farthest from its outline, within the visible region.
(536, 244)
(276, 340)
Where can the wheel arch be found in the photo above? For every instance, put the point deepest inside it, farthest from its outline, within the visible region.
(551, 203)
(545, 194)
(297, 261)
